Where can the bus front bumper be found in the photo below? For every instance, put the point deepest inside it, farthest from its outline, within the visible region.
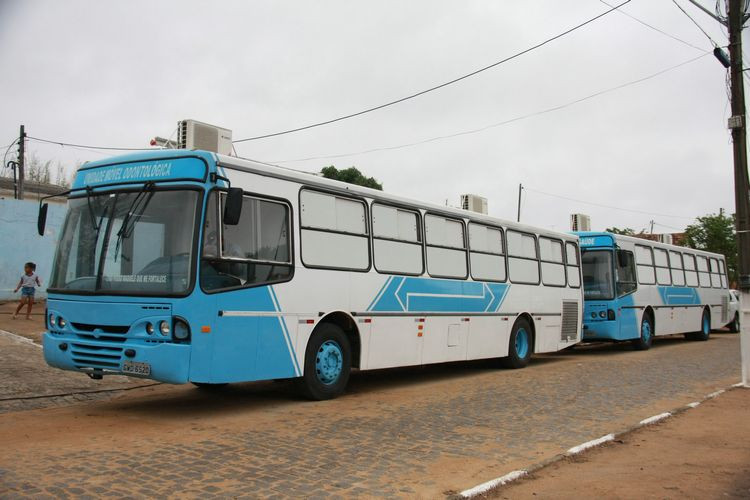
(600, 330)
(165, 362)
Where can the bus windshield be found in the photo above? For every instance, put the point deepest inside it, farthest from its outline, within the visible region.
(135, 242)
(597, 275)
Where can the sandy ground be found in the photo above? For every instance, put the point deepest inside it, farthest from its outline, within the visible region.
(702, 453)
(32, 328)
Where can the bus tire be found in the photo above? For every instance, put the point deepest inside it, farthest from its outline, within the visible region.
(207, 386)
(734, 326)
(705, 330)
(644, 342)
(328, 359)
(520, 345)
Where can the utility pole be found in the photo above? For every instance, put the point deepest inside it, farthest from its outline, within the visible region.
(737, 124)
(518, 217)
(652, 226)
(21, 162)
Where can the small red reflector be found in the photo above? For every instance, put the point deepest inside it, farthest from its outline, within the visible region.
(368, 320)
(310, 321)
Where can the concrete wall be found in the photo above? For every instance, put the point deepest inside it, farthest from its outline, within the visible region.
(20, 243)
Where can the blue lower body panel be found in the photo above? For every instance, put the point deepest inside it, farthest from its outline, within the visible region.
(169, 362)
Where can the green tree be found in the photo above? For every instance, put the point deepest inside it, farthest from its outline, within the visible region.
(715, 233)
(351, 175)
(624, 231)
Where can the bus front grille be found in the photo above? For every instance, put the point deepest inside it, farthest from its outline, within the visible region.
(96, 356)
(569, 326)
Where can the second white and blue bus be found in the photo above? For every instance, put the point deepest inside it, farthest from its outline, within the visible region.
(636, 289)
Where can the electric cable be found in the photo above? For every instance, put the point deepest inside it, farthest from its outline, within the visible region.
(494, 125)
(436, 87)
(644, 23)
(84, 146)
(607, 206)
(695, 23)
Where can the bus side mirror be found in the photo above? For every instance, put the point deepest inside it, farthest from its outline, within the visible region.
(233, 207)
(622, 258)
(41, 220)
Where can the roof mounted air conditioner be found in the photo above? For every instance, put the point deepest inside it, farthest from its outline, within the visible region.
(192, 134)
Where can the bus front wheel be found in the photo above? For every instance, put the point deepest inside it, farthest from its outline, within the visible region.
(327, 363)
(520, 345)
(643, 342)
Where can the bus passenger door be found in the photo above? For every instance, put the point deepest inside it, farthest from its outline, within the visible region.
(626, 313)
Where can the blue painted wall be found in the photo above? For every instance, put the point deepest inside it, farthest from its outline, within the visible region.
(20, 243)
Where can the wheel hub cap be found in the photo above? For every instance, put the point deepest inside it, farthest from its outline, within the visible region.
(522, 343)
(329, 362)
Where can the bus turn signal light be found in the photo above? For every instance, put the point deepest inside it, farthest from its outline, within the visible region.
(205, 329)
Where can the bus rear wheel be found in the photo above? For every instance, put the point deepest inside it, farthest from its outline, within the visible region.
(327, 363)
(520, 345)
(643, 342)
(705, 330)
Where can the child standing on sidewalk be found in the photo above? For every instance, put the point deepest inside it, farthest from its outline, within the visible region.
(28, 283)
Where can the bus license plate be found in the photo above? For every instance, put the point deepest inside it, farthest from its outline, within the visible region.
(136, 368)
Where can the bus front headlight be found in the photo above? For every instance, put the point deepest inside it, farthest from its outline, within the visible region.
(164, 328)
(181, 329)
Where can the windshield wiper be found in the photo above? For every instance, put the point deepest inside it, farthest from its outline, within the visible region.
(136, 209)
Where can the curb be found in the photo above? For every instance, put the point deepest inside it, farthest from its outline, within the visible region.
(515, 475)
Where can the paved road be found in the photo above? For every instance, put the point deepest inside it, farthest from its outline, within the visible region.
(419, 432)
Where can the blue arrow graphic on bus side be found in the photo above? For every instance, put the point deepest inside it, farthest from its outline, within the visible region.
(439, 295)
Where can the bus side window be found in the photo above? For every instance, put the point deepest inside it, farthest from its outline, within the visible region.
(704, 277)
(523, 258)
(255, 251)
(723, 268)
(446, 247)
(626, 279)
(661, 264)
(334, 232)
(644, 260)
(397, 240)
(676, 268)
(691, 275)
(573, 265)
(553, 267)
(715, 273)
(486, 252)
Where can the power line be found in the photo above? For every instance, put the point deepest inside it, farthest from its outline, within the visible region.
(499, 124)
(436, 87)
(608, 206)
(106, 148)
(644, 23)
(695, 23)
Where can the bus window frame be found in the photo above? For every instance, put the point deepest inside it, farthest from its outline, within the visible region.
(428, 245)
(668, 267)
(197, 230)
(616, 265)
(222, 191)
(577, 265)
(652, 266)
(692, 257)
(541, 261)
(504, 255)
(681, 268)
(509, 256)
(368, 235)
(717, 273)
(420, 234)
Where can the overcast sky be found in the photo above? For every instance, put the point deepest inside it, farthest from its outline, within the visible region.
(119, 73)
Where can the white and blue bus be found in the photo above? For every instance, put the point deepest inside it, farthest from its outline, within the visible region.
(188, 266)
(636, 289)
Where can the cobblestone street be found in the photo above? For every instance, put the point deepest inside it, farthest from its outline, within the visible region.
(411, 432)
